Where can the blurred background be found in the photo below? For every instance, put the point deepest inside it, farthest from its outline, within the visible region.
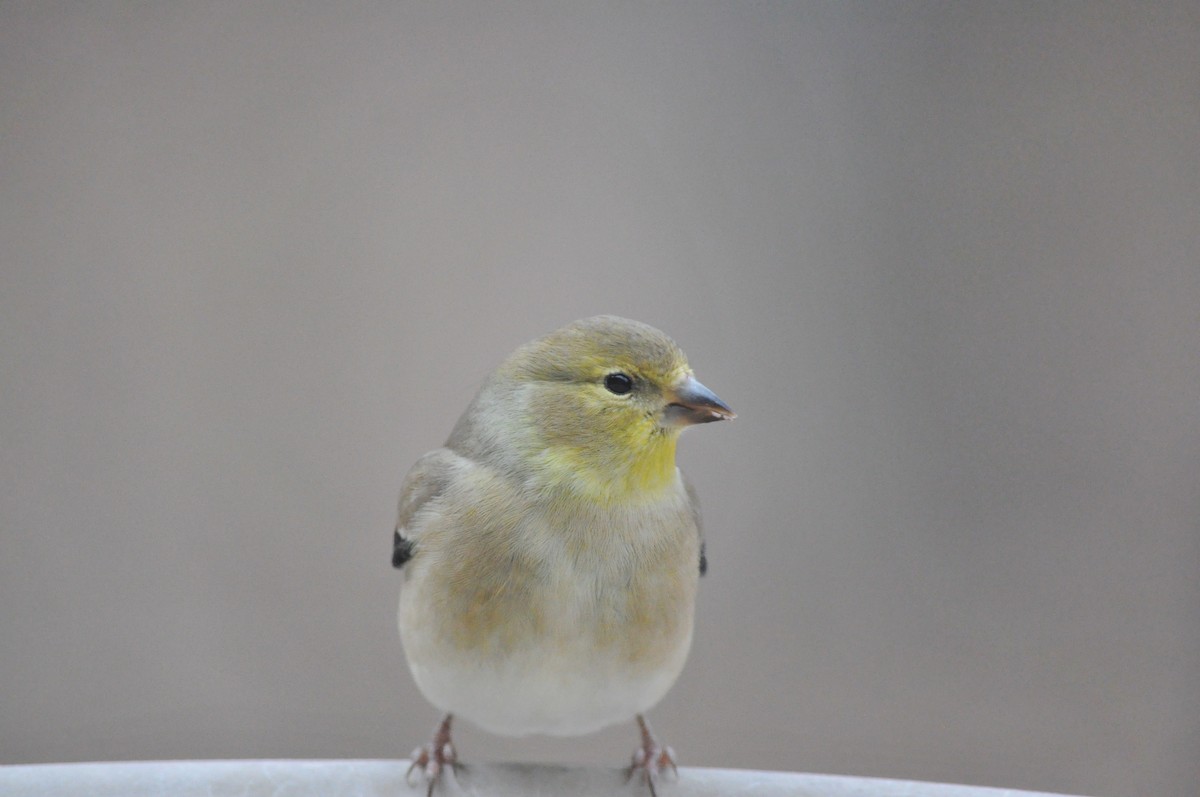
(941, 257)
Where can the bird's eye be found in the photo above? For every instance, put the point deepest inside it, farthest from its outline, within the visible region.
(618, 383)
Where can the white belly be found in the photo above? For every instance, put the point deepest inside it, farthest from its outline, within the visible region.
(561, 693)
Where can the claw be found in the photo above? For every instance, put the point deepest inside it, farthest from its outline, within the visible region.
(415, 759)
(651, 758)
(667, 759)
(432, 759)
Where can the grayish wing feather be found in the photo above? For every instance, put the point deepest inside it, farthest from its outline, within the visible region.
(694, 505)
(425, 482)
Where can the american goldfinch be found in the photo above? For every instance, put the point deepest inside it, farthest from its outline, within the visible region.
(551, 549)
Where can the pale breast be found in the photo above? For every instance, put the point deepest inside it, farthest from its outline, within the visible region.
(535, 618)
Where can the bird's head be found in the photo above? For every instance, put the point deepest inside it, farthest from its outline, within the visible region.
(602, 402)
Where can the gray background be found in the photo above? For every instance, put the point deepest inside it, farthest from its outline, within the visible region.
(941, 257)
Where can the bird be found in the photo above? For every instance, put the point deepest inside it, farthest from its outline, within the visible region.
(551, 549)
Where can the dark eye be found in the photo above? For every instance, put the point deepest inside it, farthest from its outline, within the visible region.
(618, 383)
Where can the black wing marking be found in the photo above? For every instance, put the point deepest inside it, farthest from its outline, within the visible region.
(424, 483)
(402, 551)
(694, 506)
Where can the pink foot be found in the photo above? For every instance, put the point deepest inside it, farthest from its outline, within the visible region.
(651, 759)
(432, 759)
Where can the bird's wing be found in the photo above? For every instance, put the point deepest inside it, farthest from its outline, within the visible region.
(425, 482)
(694, 505)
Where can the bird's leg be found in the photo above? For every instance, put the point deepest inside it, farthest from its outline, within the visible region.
(434, 757)
(651, 758)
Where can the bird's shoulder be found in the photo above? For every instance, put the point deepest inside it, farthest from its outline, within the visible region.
(451, 490)
(428, 479)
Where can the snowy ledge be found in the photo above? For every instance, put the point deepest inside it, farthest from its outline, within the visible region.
(386, 779)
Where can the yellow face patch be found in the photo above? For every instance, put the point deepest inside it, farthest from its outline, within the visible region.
(591, 408)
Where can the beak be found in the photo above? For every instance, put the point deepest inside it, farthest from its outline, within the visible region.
(690, 402)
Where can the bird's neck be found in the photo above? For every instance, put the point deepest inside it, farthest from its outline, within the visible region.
(651, 470)
(621, 477)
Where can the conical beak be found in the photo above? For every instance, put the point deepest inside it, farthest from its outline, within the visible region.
(690, 402)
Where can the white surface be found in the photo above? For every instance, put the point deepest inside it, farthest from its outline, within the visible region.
(329, 778)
